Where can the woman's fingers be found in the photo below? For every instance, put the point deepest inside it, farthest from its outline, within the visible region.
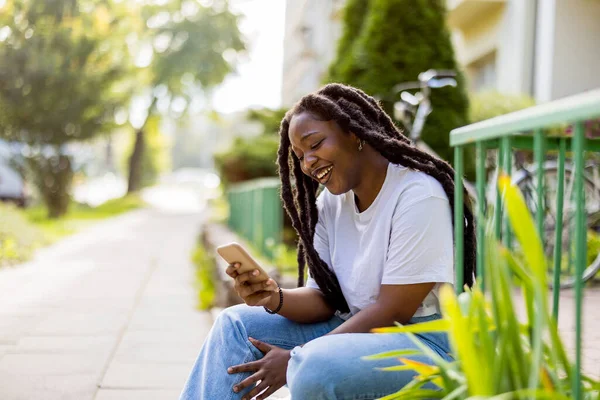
(259, 388)
(252, 379)
(248, 367)
(255, 292)
(232, 270)
(272, 389)
(252, 288)
(262, 346)
(246, 276)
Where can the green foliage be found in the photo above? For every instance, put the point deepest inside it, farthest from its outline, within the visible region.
(496, 353)
(490, 104)
(255, 157)
(268, 118)
(18, 237)
(194, 53)
(285, 259)
(191, 49)
(205, 285)
(63, 69)
(248, 158)
(397, 40)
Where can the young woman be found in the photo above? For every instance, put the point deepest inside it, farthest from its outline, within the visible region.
(378, 244)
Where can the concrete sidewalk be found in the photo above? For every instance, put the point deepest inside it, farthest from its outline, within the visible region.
(107, 314)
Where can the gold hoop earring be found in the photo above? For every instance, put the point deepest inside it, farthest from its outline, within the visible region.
(360, 145)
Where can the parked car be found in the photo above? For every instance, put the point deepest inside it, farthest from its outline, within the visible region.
(12, 186)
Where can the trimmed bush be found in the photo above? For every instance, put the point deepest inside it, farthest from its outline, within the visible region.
(248, 158)
(397, 40)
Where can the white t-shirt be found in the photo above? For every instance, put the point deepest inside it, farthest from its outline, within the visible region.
(404, 237)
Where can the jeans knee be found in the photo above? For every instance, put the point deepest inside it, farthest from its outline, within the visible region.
(311, 374)
(240, 322)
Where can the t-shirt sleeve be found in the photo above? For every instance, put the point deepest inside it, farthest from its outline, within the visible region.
(320, 240)
(421, 246)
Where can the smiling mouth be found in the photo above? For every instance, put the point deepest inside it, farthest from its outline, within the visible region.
(324, 175)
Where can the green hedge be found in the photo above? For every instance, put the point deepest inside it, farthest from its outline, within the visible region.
(248, 158)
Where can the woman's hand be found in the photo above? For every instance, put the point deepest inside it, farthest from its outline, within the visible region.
(269, 370)
(253, 294)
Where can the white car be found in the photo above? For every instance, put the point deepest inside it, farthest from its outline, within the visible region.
(12, 186)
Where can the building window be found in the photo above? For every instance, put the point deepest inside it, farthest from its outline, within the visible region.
(483, 73)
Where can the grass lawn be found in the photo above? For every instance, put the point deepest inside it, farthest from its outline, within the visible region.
(24, 230)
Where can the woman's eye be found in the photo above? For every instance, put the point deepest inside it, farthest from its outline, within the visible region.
(314, 146)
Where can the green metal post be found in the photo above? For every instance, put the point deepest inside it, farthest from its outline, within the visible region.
(559, 226)
(581, 246)
(498, 207)
(539, 154)
(480, 153)
(459, 219)
(507, 167)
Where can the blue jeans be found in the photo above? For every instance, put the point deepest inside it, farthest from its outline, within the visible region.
(327, 367)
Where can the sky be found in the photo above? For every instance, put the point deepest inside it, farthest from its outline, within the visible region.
(257, 82)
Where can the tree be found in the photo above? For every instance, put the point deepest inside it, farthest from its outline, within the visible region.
(192, 49)
(61, 71)
(354, 13)
(396, 41)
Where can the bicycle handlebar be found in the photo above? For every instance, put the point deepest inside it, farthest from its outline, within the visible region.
(424, 79)
(439, 73)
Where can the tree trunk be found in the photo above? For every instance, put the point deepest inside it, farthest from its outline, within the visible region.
(53, 178)
(135, 162)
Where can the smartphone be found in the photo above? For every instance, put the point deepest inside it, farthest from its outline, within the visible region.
(234, 252)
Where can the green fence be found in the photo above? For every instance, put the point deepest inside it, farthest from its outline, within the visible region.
(256, 213)
(532, 129)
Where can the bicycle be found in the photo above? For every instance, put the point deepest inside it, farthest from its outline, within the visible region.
(412, 111)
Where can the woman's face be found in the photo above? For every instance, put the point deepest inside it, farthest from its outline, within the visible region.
(327, 153)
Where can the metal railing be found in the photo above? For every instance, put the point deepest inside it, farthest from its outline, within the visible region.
(528, 129)
(256, 213)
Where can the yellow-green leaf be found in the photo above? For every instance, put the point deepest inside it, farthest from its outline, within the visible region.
(393, 354)
(524, 229)
(438, 325)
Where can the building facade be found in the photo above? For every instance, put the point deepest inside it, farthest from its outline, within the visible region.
(546, 48)
(312, 28)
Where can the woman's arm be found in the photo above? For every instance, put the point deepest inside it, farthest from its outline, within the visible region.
(396, 303)
(304, 305)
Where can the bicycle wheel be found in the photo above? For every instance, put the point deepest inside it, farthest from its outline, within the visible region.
(528, 186)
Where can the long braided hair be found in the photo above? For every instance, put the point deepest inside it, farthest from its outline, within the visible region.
(356, 112)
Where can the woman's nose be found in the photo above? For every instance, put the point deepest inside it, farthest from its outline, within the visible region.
(309, 161)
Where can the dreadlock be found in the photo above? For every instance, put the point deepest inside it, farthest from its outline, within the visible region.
(354, 111)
